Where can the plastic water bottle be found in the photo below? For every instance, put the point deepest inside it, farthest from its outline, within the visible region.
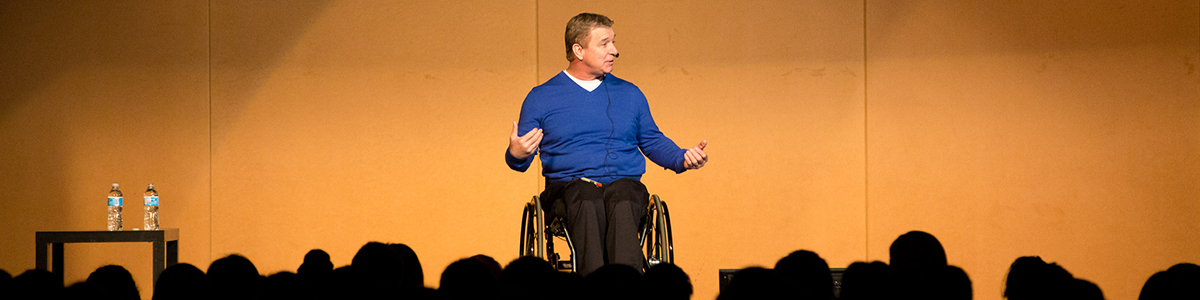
(115, 200)
(151, 207)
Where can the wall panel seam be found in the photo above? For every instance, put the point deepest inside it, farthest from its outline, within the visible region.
(866, 162)
(210, 137)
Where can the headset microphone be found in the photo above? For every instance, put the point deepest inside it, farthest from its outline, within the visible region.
(616, 55)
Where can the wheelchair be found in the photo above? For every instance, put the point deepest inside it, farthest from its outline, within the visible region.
(538, 235)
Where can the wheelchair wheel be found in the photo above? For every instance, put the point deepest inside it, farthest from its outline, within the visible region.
(670, 240)
(538, 234)
(533, 230)
(656, 235)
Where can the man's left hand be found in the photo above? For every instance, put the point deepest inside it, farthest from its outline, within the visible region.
(695, 157)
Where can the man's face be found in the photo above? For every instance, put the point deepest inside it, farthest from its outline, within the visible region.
(600, 52)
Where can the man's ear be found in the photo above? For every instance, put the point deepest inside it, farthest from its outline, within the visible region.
(578, 50)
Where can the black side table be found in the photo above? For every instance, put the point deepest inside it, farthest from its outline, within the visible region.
(165, 241)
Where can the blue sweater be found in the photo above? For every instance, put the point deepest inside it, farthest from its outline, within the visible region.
(579, 138)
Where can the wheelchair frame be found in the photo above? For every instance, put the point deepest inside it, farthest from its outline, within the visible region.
(537, 237)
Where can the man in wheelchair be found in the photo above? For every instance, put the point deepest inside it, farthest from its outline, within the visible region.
(592, 130)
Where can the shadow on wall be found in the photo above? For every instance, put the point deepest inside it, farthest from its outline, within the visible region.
(992, 36)
(33, 154)
(244, 52)
(77, 75)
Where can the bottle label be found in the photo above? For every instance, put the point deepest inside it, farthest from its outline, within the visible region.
(151, 201)
(114, 201)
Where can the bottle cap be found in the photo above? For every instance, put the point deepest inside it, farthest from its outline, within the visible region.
(116, 185)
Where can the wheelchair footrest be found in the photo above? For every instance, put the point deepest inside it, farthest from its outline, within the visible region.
(564, 264)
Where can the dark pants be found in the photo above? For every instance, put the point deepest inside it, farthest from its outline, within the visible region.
(603, 221)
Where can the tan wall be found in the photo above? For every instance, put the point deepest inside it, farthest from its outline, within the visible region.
(1068, 129)
(335, 124)
(1065, 129)
(94, 93)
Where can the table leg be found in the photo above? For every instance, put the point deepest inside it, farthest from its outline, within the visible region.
(159, 260)
(172, 253)
(57, 261)
(41, 262)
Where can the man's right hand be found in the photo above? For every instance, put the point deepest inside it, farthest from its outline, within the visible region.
(523, 146)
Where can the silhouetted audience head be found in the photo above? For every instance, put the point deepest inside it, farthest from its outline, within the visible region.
(234, 277)
(383, 271)
(493, 266)
(36, 284)
(377, 260)
(113, 282)
(526, 277)
(1084, 290)
(916, 250)
(566, 285)
(317, 273)
(348, 283)
(471, 278)
(413, 275)
(806, 275)
(1024, 280)
(614, 281)
(1181, 281)
(181, 282)
(754, 283)
(1190, 273)
(669, 282)
(1031, 278)
(286, 285)
(956, 285)
(78, 290)
(917, 259)
(316, 262)
(865, 281)
(5, 279)
(1159, 287)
